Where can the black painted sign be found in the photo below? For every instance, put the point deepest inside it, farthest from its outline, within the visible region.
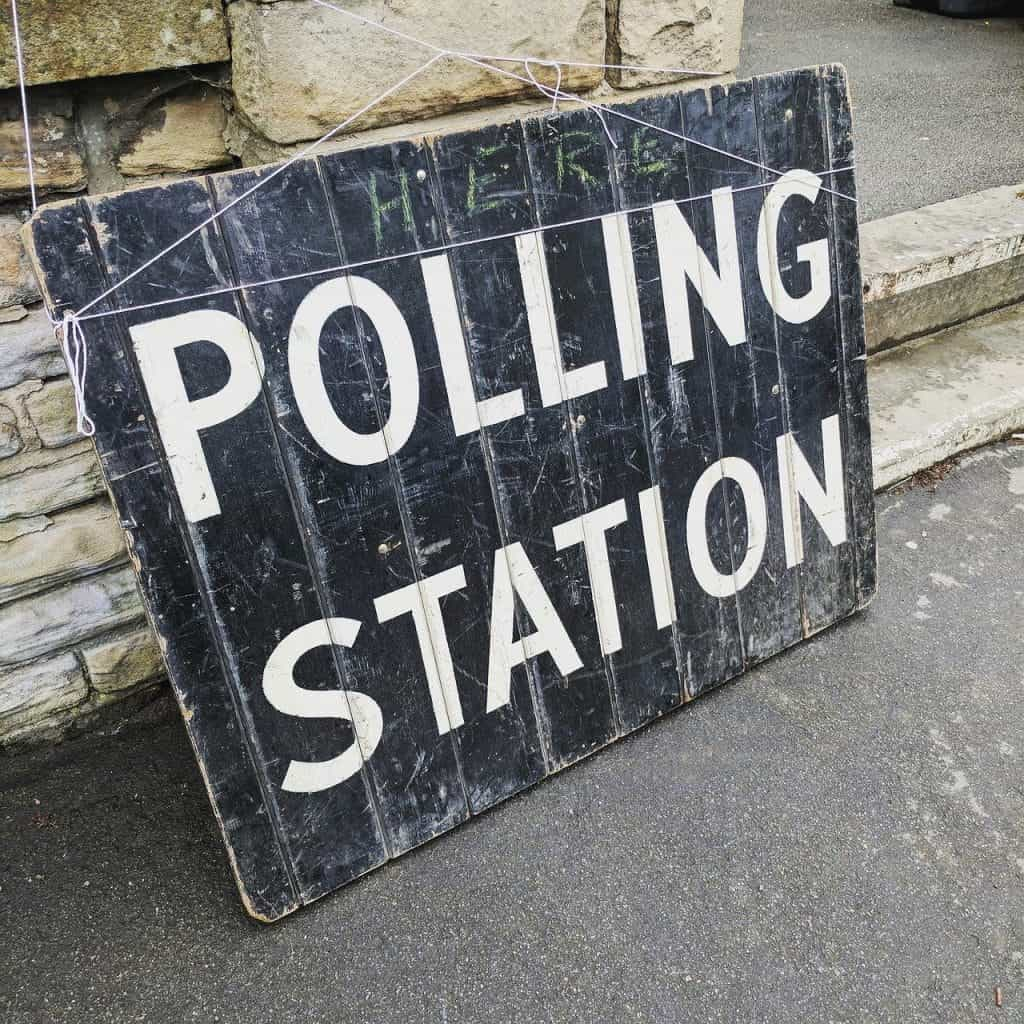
(444, 464)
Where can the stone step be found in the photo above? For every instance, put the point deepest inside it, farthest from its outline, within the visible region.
(943, 264)
(946, 393)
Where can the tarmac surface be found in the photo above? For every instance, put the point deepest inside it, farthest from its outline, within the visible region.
(836, 836)
(938, 102)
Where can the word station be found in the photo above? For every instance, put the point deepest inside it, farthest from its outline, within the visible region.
(446, 463)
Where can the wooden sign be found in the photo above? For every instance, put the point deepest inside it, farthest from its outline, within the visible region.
(443, 464)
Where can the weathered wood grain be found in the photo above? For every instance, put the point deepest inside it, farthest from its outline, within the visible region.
(229, 754)
(571, 171)
(383, 203)
(250, 559)
(357, 544)
(792, 135)
(853, 365)
(535, 344)
(485, 190)
(684, 437)
(723, 153)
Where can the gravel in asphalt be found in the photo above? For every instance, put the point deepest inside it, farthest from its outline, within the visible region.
(836, 836)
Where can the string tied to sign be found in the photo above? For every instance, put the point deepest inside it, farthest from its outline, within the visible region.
(68, 328)
(555, 93)
(68, 331)
(546, 90)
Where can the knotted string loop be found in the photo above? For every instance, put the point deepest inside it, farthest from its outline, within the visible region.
(72, 340)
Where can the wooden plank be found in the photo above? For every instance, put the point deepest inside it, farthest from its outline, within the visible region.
(439, 463)
(723, 153)
(136, 473)
(846, 258)
(792, 137)
(571, 173)
(358, 548)
(651, 168)
(250, 558)
(484, 191)
(383, 203)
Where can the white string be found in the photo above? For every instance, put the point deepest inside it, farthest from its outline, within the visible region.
(429, 251)
(70, 333)
(24, 103)
(508, 59)
(259, 184)
(546, 90)
(600, 109)
(77, 355)
(543, 88)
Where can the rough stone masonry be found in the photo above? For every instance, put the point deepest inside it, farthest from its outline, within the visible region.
(128, 92)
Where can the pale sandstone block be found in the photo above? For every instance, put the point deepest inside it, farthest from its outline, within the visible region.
(51, 411)
(17, 282)
(299, 69)
(28, 349)
(33, 696)
(110, 37)
(703, 35)
(43, 551)
(10, 434)
(123, 662)
(49, 479)
(178, 134)
(35, 625)
(56, 152)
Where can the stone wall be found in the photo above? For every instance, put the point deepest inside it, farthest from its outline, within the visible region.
(127, 92)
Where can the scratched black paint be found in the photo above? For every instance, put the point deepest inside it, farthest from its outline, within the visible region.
(302, 537)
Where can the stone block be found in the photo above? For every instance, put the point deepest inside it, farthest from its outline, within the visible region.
(288, 99)
(149, 127)
(56, 150)
(179, 133)
(699, 35)
(41, 694)
(942, 264)
(110, 37)
(123, 662)
(16, 432)
(947, 393)
(17, 282)
(10, 434)
(49, 479)
(43, 551)
(42, 623)
(51, 411)
(29, 350)
(34, 415)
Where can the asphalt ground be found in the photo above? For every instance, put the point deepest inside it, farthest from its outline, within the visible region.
(938, 102)
(836, 836)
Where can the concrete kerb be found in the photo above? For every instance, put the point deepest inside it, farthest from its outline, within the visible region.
(941, 265)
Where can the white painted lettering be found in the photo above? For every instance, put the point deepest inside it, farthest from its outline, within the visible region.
(652, 520)
(284, 695)
(716, 583)
(618, 247)
(556, 383)
(423, 601)
(721, 293)
(797, 310)
(180, 420)
(797, 480)
(514, 575)
(467, 413)
(337, 439)
(590, 530)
